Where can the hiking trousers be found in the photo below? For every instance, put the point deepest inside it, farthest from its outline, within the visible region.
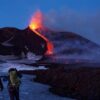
(14, 93)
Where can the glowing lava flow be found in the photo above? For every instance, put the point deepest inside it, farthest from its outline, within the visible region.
(36, 23)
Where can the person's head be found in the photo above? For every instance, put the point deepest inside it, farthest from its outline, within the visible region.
(12, 69)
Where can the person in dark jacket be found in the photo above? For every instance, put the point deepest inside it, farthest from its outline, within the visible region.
(13, 84)
(1, 85)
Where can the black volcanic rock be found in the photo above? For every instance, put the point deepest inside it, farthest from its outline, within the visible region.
(15, 41)
(78, 83)
(32, 39)
(6, 33)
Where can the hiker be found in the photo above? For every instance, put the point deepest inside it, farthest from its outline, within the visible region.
(13, 84)
(1, 85)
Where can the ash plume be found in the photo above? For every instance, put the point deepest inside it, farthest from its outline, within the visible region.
(83, 23)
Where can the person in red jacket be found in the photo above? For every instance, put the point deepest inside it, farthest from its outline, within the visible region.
(14, 84)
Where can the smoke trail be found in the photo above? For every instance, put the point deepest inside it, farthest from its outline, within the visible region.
(86, 24)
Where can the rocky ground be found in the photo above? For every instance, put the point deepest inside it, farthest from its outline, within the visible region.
(29, 90)
(32, 91)
(81, 82)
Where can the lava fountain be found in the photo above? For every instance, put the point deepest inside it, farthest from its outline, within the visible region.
(37, 23)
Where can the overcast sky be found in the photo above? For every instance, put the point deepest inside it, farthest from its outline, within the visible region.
(81, 16)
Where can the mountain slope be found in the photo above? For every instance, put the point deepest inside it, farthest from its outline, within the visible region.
(69, 45)
(15, 41)
(66, 44)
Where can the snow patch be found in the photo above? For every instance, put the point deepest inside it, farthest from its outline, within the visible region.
(6, 66)
(32, 56)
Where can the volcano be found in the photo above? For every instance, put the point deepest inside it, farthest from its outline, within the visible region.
(40, 40)
(15, 41)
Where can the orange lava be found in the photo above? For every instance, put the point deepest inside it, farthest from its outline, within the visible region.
(36, 23)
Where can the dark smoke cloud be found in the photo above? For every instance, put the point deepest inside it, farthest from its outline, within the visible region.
(85, 23)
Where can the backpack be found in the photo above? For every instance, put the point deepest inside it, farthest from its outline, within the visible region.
(14, 79)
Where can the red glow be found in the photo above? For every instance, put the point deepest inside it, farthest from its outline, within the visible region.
(50, 48)
(36, 23)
